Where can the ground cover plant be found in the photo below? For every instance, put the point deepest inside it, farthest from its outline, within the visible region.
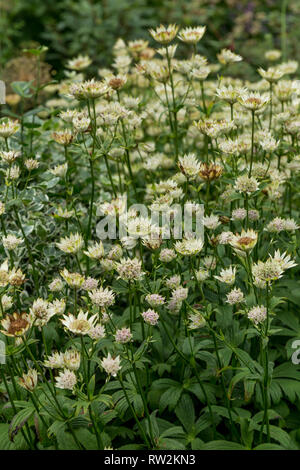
(158, 335)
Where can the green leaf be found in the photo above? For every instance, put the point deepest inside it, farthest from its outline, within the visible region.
(19, 420)
(222, 445)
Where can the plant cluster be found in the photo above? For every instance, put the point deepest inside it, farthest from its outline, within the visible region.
(143, 340)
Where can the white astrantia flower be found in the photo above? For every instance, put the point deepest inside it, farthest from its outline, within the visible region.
(55, 361)
(226, 56)
(150, 316)
(164, 34)
(11, 242)
(189, 165)
(80, 324)
(257, 314)
(71, 359)
(246, 184)
(245, 241)
(102, 297)
(253, 101)
(79, 63)
(235, 296)
(211, 222)
(192, 35)
(66, 380)
(111, 365)
(123, 336)
(227, 275)
(189, 246)
(71, 244)
(29, 380)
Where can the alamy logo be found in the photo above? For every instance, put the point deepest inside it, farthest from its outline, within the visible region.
(296, 354)
(138, 221)
(2, 352)
(2, 92)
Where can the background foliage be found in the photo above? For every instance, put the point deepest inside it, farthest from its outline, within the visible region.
(70, 27)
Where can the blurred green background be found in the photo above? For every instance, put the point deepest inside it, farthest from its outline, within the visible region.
(72, 27)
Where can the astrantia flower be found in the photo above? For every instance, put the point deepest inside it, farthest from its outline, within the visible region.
(189, 165)
(72, 279)
(173, 282)
(16, 277)
(79, 63)
(15, 325)
(56, 307)
(269, 144)
(11, 242)
(12, 173)
(284, 90)
(31, 164)
(7, 302)
(209, 262)
(56, 285)
(211, 222)
(192, 35)
(29, 380)
(123, 336)
(272, 75)
(102, 297)
(130, 269)
(8, 128)
(267, 271)
(155, 300)
(253, 100)
(66, 380)
(257, 314)
(226, 56)
(238, 214)
(71, 244)
(79, 324)
(189, 246)
(244, 242)
(115, 253)
(283, 259)
(90, 284)
(247, 185)
(164, 34)
(150, 316)
(227, 275)
(10, 156)
(273, 55)
(63, 137)
(60, 170)
(202, 274)
(224, 238)
(95, 251)
(111, 365)
(40, 313)
(71, 359)
(114, 207)
(97, 332)
(81, 123)
(210, 172)
(235, 296)
(55, 361)
(196, 320)
(229, 93)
